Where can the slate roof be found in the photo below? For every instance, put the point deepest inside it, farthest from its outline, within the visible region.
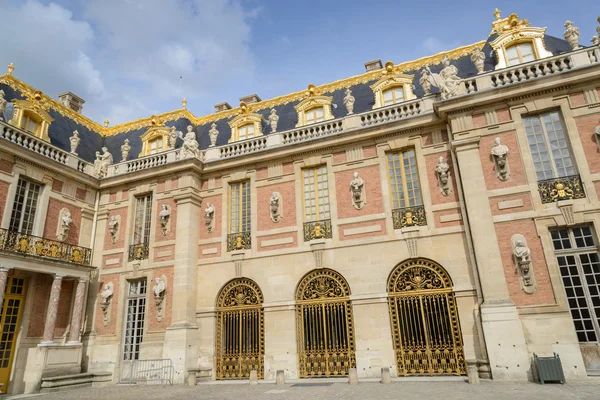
(91, 141)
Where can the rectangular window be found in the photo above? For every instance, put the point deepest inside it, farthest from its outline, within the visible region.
(143, 219)
(30, 124)
(577, 255)
(519, 53)
(156, 146)
(393, 96)
(404, 179)
(134, 323)
(316, 194)
(24, 207)
(315, 115)
(239, 207)
(246, 131)
(549, 146)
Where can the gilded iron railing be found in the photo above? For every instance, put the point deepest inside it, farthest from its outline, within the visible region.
(139, 251)
(557, 189)
(317, 230)
(409, 216)
(239, 241)
(31, 245)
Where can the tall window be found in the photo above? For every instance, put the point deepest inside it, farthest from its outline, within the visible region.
(143, 218)
(134, 324)
(577, 254)
(314, 115)
(239, 207)
(404, 179)
(519, 54)
(246, 131)
(24, 206)
(393, 95)
(316, 194)
(156, 145)
(30, 123)
(549, 146)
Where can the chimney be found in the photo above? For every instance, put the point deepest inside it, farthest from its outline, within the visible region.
(72, 101)
(222, 107)
(250, 99)
(373, 65)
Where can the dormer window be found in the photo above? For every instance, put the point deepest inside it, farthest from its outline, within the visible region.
(393, 95)
(156, 145)
(519, 53)
(314, 115)
(31, 123)
(246, 131)
(156, 138)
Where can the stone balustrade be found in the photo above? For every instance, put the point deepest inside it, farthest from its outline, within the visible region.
(395, 112)
(312, 131)
(243, 147)
(154, 160)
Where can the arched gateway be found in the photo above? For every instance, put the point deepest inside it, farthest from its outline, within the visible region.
(325, 331)
(424, 319)
(239, 333)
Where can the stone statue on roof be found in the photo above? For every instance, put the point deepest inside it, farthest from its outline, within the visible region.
(571, 35)
(424, 81)
(478, 59)
(106, 159)
(172, 138)
(74, 141)
(2, 104)
(213, 133)
(448, 81)
(349, 101)
(125, 148)
(190, 144)
(273, 119)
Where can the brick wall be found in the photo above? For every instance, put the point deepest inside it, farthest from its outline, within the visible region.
(53, 216)
(372, 178)
(503, 115)
(585, 128)
(352, 231)
(120, 242)
(172, 225)
(214, 250)
(3, 198)
(544, 293)
(524, 198)
(57, 185)
(515, 164)
(288, 200)
(266, 243)
(431, 161)
(110, 329)
(41, 293)
(577, 99)
(447, 218)
(219, 217)
(6, 166)
(64, 307)
(153, 324)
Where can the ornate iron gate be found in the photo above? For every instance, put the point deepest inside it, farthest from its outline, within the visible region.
(240, 330)
(424, 318)
(324, 324)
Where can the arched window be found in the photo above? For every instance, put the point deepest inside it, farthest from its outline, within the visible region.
(424, 319)
(240, 345)
(314, 115)
(393, 95)
(519, 53)
(324, 324)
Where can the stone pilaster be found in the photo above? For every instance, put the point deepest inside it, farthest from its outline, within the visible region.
(504, 335)
(51, 311)
(3, 279)
(181, 339)
(77, 313)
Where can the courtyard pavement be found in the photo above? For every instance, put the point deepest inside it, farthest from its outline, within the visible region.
(315, 390)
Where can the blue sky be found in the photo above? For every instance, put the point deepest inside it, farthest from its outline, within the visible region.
(124, 57)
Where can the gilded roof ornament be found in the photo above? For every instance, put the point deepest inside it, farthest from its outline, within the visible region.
(512, 22)
(497, 14)
(11, 68)
(244, 108)
(389, 67)
(311, 90)
(106, 122)
(184, 103)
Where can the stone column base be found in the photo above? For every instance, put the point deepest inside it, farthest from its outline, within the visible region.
(47, 361)
(181, 346)
(505, 340)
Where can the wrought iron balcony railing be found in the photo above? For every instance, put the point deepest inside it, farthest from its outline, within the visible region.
(139, 251)
(409, 216)
(564, 188)
(317, 230)
(31, 245)
(239, 241)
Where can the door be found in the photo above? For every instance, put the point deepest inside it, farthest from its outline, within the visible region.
(12, 309)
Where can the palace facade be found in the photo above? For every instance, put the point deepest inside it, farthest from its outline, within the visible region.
(423, 217)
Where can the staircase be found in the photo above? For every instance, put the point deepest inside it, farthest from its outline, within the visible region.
(75, 381)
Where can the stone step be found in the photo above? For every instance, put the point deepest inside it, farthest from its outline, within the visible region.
(74, 381)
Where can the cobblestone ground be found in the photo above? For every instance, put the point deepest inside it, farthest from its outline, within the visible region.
(364, 391)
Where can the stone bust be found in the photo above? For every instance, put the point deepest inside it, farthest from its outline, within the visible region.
(499, 153)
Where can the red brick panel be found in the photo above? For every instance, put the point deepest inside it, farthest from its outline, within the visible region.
(3, 197)
(288, 200)
(53, 216)
(160, 253)
(6, 166)
(219, 215)
(80, 194)
(110, 329)
(426, 139)
(438, 220)
(524, 197)
(64, 307)
(155, 325)
(369, 151)
(503, 115)
(479, 120)
(339, 158)
(380, 223)
(262, 173)
(41, 293)
(431, 161)
(374, 198)
(292, 235)
(577, 99)
(544, 293)
(210, 246)
(108, 261)
(57, 185)
(585, 127)
(172, 224)
(515, 163)
(120, 242)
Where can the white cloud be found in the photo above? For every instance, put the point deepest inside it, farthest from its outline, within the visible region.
(433, 45)
(125, 57)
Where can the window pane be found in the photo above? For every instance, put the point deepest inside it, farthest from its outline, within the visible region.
(316, 200)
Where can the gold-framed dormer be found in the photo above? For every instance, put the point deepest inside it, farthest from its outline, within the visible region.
(517, 41)
(32, 116)
(155, 139)
(314, 108)
(245, 125)
(392, 88)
